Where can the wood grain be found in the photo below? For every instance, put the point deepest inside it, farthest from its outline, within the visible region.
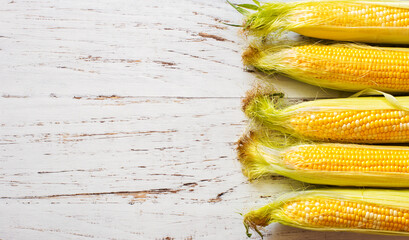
(118, 121)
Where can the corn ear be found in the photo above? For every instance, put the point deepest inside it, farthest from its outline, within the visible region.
(364, 211)
(343, 20)
(263, 154)
(351, 120)
(347, 67)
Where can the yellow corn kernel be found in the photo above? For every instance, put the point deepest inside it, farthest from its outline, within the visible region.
(325, 163)
(345, 20)
(355, 210)
(374, 126)
(340, 66)
(353, 120)
(354, 14)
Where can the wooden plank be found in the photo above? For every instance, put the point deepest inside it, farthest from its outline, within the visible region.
(105, 145)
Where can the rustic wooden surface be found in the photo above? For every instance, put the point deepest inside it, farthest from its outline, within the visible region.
(118, 121)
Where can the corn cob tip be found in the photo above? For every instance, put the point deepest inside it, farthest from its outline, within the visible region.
(256, 218)
(249, 98)
(250, 153)
(257, 91)
(251, 221)
(242, 145)
(245, 153)
(250, 55)
(256, 94)
(259, 218)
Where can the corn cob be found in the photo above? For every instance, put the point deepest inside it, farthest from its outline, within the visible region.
(326, 163)
(340, 66)
(365, 211)
(353, 120)
(343, 20)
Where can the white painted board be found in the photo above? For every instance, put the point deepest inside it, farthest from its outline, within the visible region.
(118, 121)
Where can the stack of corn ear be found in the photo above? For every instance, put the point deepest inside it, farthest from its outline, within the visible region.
(327, 141)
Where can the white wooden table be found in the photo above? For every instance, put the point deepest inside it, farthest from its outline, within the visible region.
(118, 121)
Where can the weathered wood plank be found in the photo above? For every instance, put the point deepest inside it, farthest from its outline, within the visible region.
(113, 144)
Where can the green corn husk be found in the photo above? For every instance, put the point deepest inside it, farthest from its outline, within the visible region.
(347, 120)
(263, 154)
(347, 67)
(341, 20)
(352, 210)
